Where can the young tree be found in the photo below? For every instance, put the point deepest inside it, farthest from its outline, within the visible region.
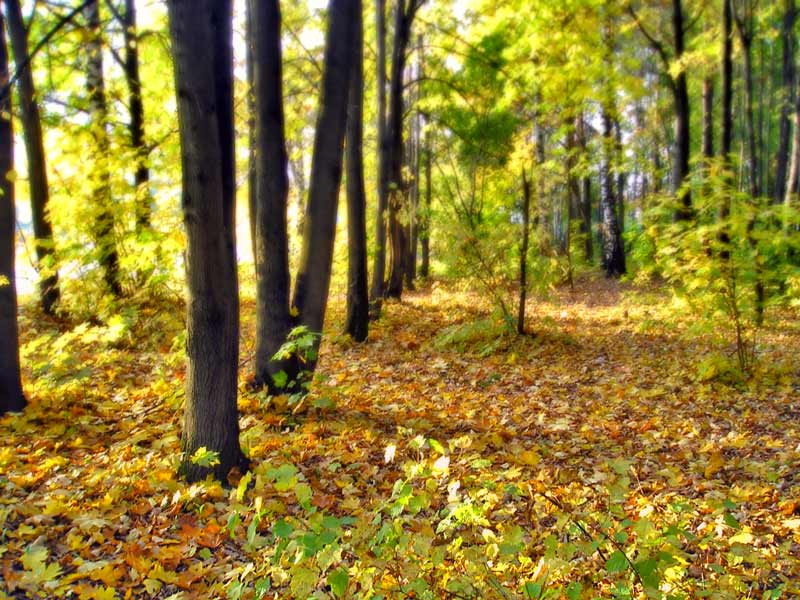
(201, 32)
(11, 395)
(101, 176)
(789, 43)
(357, 322)
(34, 146)
(523, 252)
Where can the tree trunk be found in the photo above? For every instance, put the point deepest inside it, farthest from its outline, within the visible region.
(708, 118)
(413, 197)
(523, 253)
(104, 234)
(586, 198)
(313, 278)
(37, 173)
(789, 41)
(680, 169)
(357, 322)
(202, 50)
(794, 164)
(396, 185)
(273, 319)
(745, 38)
(613, 254)
(141, 177)
(252, 179)
(379, 265)
(425, 217)
(12, 398)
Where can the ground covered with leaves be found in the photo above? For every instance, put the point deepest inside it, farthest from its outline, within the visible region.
(606, 455)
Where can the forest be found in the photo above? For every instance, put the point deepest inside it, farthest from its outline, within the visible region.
(462, 299)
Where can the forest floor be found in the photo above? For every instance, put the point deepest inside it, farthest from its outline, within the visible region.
(604, 455)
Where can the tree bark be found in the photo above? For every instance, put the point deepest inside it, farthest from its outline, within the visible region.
(523, 253)
(201, 32)
(12, 399)
(313, 278)
(104, 234)
(708, 118)
(273, 319)
(357, 323)
(425, 216)
(789, 40)
(379, 264)
(252, 142)
(404, 15)
(141, 176)
(680, 173)
(49, 292)
(585, 198)
(746, 40)
(613, 254)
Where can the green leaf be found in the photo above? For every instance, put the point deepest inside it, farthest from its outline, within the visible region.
(262, 587)
(280, 379)
(532, 590)
(282, 529)
(285, 477)
(617, 562)
(204, 457)
(436, 446)
(338, 581)
(574, 590)
(303, 492)
(303, 582)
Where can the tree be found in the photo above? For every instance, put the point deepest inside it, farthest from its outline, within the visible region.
(201, 32)
(789, 43)
(11, 395)
(104, 234)
(379, 264)
(275, 317)
(680, 94)
(357, 321)
(405, 12)
(34, 146)
(523, 252)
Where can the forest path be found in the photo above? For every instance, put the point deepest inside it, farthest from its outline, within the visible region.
(598, 417)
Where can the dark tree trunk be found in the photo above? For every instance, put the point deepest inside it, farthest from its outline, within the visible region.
(613, 254)
(313, 278)
(379, 265)
(357, 323)
(252, 179)
(425, 217)
(404, 16)
(680, 169)
(37, 172)
(413, 198)
(746, 40)
(104, 234)
(726, 139)
(585, 198)
(12, 398)
(789, 41)
(202, 50)
(708, 118)
(523, 253)
(273, 319)
(141, 176)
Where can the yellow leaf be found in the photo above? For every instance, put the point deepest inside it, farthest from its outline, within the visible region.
(715, 462)
(530, 458)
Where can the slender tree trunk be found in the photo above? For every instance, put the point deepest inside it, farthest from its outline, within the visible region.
(202, 50)
(789, 41)
(745, 37)
(141, 177)
(37, 173)
(523, 253)
(313, 278)
(379, 265)
(397, 187)
(273, 319)
(726, 138)
(12, 398)
(794, 164)
(585, 198)
(252, 142)
(680, 90)
(104, 234)
(413, 224)
(542, 221)
(613, 254)
(425, 218)
(708, 118)
(357, 322)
